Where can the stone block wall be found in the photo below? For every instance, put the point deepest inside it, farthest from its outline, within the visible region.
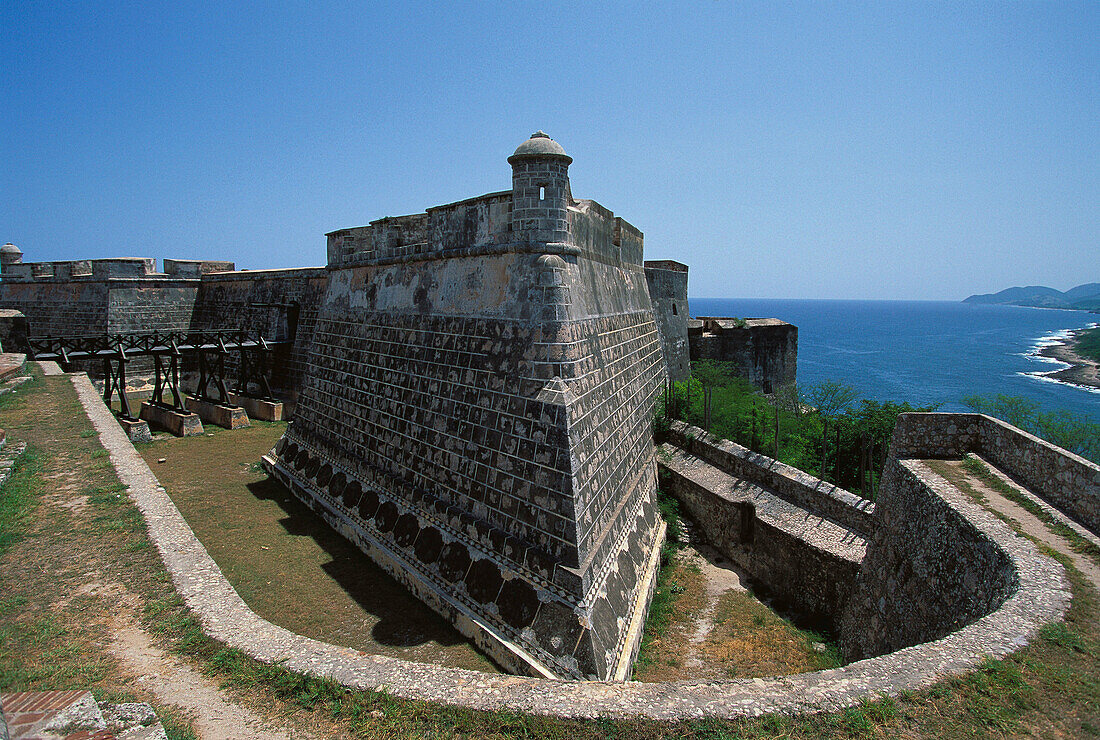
(668, 283)
(492, 437)
(58, 308)
(1067, 481)
(271, 302)
(813, 581)
(150, 305)
(763, 351)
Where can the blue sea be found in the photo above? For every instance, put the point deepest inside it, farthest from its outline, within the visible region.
(925, 352)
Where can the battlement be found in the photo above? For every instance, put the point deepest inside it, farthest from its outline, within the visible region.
(125, 268)
(537, 216)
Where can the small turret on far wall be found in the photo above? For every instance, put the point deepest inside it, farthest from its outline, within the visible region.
(540, 190)
(10, 255)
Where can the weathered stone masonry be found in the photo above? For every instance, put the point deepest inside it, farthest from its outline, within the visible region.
(763, 351)
(668, 282)
(476, 416)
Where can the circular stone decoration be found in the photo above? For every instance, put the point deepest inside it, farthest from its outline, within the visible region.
(312, 467)
(406, 530)
(290, 453)
(428, 545)
(368, 504)
(454, 561)
(324, 475)
(336, 485)
(386, 517)
(302, 460)
(352, 492)
(483, 582)
(518, 603)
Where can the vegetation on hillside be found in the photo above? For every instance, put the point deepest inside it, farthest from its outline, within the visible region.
(822, 429)
(1069, 431)
(1088, 344)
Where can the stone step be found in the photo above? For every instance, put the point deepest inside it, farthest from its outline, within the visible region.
(75, 715)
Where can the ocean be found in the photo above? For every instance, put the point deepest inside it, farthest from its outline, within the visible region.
(925, 352)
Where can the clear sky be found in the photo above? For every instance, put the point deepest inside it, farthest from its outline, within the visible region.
(789, 150)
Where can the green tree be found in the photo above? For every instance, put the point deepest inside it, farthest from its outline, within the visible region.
(829, 398)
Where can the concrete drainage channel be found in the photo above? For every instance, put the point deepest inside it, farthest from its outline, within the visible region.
(1042, 596)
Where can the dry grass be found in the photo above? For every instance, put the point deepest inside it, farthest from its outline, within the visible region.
(700, 634)
(287, 564)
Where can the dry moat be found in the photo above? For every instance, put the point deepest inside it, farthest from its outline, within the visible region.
(296, 571)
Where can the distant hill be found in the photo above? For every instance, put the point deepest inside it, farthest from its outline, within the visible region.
(1084, 297)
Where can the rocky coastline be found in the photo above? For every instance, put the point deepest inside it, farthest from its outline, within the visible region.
(1083, 371)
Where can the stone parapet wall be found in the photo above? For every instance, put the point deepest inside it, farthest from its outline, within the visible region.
(802, 489)
(1067, 481)
(929, 569)
(64, 270)
(812, 580)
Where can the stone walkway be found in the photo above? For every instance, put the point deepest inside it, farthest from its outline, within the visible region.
(1029, 523)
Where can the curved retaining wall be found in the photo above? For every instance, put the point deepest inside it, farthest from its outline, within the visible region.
(930, 568)
(1042, 596)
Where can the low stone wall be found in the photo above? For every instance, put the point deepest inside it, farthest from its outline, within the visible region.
(929, 570)
(1067, 481)
(802, 489)
(812, 581)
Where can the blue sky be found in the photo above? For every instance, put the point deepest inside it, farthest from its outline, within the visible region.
(788, 150)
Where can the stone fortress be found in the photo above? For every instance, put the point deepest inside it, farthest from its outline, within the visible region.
(474, 387)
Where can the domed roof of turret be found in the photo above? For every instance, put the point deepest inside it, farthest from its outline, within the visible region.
(10, 248)
(540, 145)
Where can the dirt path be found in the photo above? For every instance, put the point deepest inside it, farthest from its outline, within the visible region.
(1029, 523)
(721, 578)
(80, 572)
(213, 714)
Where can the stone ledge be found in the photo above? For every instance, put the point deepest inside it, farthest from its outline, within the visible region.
(1042, 597)
(178, 423)
(258, 408)
(227, 417)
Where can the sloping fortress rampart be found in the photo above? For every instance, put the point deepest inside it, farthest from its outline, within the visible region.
(476, 417)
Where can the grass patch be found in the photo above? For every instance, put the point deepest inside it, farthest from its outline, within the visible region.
(288, 565)
(751, 640)
(18, 497)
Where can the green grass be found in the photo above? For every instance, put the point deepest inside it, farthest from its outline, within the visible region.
(18, 497)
